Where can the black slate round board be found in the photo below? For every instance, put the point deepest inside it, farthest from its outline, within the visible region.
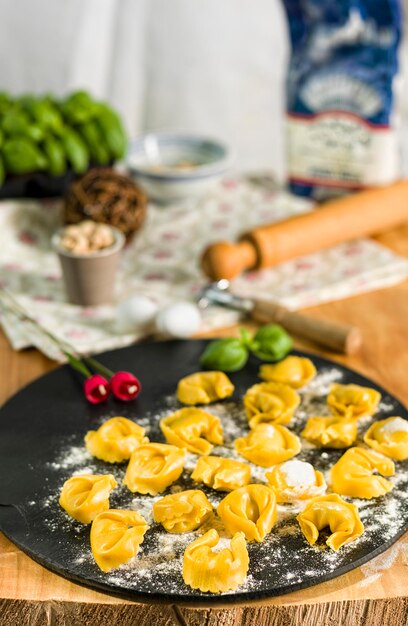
(51, 416)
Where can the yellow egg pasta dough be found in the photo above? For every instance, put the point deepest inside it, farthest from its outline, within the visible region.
(341, 517)
(294, 371)
(330, 432)
(182, 512)
(271, 403)
(268, 444)
(86, 495)
(204, 388)
(153, 467)
(390, 437)
(353, 400)
(116, 536)
(251, 510)
(193, 429)
(221, 474)
(217, 572)
(115, 440)
(354, 474)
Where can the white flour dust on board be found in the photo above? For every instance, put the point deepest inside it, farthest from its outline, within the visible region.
(374, 569)
(284, 559)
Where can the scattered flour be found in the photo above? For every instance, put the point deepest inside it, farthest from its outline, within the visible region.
(395, 425)
(284, 557)
(298, 474)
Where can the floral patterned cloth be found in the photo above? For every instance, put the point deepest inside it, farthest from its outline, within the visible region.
(163, 262)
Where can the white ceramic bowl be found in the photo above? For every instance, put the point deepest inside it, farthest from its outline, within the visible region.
(173, 166)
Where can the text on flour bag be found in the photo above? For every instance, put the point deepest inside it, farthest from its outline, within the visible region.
(341, 95)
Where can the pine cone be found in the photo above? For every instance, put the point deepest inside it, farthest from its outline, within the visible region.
(104, 196)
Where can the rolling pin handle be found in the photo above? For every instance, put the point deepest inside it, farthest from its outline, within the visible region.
(337, 337)
(227, 260)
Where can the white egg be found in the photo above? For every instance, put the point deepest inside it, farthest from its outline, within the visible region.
(182, 319)
(135, 313)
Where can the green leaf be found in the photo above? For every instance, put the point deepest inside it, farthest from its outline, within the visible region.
(227, 355)
(15, 123)
(35, 132)
(271, 343)
(46, 114)
(75, 150)
(94, 139)
(112, 130)
(22, 156)
(54, 150)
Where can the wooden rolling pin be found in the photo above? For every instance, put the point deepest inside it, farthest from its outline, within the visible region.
(365, 213)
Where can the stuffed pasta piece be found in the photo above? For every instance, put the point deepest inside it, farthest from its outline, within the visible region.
(268, 444)
(85, 496)
(221, 474)
(116, 536)
(193, 429)
(271, 403)
(204, 387)
(115, 440)
(353, 401)
(217, 572)
(390, 437)
(353, 474)
(182, 512)
(296, 480)
(251, 510)
(330, 432)
(294, 371)
(153, 467)
(333, 512)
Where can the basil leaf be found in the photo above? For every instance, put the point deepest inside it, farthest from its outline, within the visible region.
(271, 343)
(227, 355)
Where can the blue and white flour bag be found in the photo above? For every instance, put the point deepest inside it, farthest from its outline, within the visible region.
(342, 95)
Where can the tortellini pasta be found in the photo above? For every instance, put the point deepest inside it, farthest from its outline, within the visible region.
(390, 437)
(86, 495)
(182, 512)
(330, 432)
(294, 371)
(341, 517)
(251, 510)
(353, 400)
(270, 402)
(212, 571)
(116, 536)
(153, 467)
(221, 474)
(204, 387)
(115, 440)
(268, 444)
(353, 474)
(296, 480)
(192, 429)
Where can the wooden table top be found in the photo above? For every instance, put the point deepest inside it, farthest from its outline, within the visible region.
(374, 594)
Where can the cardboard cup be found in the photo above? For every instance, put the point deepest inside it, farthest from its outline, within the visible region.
(90, 278)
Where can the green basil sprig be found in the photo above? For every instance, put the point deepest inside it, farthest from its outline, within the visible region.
(270, 343)
(227, 355)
